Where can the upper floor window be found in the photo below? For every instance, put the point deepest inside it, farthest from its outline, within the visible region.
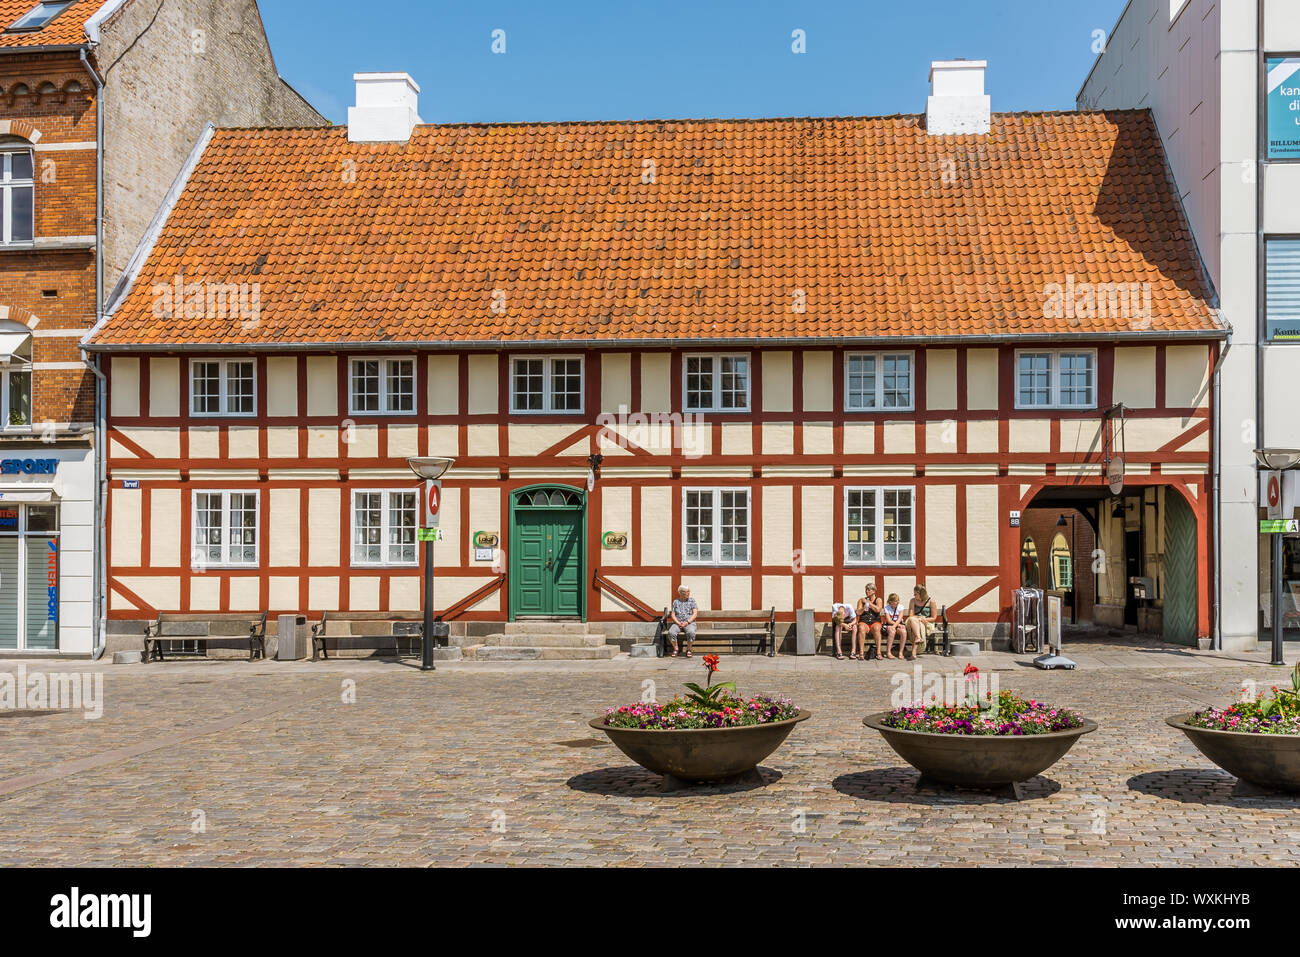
(382, 386)
(877, 381)
(17, 197)
(225, 528)
(717, 383)
(546, 384)
(15, 376)
(1056, 379)
(40, 15)
(222, 387)
(1282, 290)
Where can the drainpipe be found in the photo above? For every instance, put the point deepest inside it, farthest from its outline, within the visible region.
(100, 596)
(1216, 469)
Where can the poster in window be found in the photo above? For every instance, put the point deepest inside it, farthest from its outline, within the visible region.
(1283, 96)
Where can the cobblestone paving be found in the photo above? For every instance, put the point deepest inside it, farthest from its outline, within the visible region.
(491, 766)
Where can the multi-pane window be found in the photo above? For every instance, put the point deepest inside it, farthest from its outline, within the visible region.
(222, 387)
(384, 528)
(17, 197)
(879, 526)
(546, 384)
(716, 383)
(15, 395)
(1056, 379)
(382, 386)
(878, 381)
(225, 528)
(716, 530)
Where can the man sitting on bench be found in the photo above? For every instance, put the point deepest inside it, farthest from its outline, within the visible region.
(682, 620)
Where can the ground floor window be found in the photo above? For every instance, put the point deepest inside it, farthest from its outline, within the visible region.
(29, 577)
(384, 528)
(225, 528)
(716, 526)
(879, 526)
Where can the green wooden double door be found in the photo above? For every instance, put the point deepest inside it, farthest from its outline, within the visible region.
(546, 551)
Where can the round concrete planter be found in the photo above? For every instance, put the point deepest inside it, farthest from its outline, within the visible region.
(978, 760)
(701, 754)
(1268, 760)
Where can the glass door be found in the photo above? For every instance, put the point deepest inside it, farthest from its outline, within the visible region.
(9, 579)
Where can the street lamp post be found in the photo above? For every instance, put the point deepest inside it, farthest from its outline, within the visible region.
(430, 469)
(1278, 460)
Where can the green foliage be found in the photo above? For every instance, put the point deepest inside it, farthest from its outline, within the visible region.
(712, 695)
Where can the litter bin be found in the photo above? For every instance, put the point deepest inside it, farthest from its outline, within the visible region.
(805, 635)
(292, 641)
(441, 631)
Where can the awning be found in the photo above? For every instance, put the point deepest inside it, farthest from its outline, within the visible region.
(11, 342)
(26, 495)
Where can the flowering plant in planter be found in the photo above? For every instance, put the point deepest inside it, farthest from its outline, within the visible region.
(1004, 714)
(713, 706)
(1279, 714)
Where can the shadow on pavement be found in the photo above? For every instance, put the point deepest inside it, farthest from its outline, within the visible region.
(633, 781)
(902, 786)
(1209, 786)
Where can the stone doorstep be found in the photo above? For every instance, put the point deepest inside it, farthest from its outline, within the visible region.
(544, 641)
(509, 653)
(543, 626)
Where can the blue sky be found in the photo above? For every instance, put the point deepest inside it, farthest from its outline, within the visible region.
(635, 59)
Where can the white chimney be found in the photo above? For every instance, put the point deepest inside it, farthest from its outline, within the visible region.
(957, 102)
(387, 110)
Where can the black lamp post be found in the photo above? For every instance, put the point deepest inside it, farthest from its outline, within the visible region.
(430, 469)
(1278, 460)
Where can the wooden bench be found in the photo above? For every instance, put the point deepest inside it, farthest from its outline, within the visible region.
(399, 630)
(712, 626)
(942, 636)
(172, 628)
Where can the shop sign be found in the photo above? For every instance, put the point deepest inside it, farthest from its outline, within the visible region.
(8, 519)
(486, 540)
(1279, 526)
(1283, 107)
(29, 466)
(614, 541)
(428, 535)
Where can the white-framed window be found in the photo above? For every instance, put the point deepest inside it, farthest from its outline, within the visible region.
(715, 383)
(223, 387)
(40, 15)
(715, 526)
(880, 526)
(15, 395)
(546, 384)
(225, 529)
(878, 380)
(381, 387)
(384, 524)
(17, 197)
(1056, 379)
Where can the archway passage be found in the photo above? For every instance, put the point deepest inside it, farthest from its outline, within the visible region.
(546, 552)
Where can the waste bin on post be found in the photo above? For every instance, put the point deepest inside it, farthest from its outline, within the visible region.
(291, 642)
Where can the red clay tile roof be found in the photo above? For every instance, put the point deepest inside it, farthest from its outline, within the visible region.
(67, 29)
(544, 232)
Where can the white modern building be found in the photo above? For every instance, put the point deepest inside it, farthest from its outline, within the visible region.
(1222, 79)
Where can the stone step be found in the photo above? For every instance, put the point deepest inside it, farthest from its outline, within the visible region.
(508, 653)
(545, 640)
(544, 626)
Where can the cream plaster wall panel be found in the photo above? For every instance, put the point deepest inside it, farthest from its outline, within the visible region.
(482, 440)
(950, 589)
(778, 592)
(656, 526)
(941, 437)
(126, 529)
(322, 385)
(900, 585)
(737, 438)
(363, 594)
(940, 379)
(1135, 376)
(485, 515)
(165, 528)
(282, 386)
(737, 592)
(818, 382)
(361, 441)
(529, 438)
(1147, 435)
(323, 528)
(323, 443)
(245, 593)
(778, 381)
(159, 443)
(1187, 377)
(982, 379)
(444, 385)
(205, 593)
(656, 382)
(818, 438)
(241, 441)
(284, 534)
(282, 442)
(818, 525)
(404, 594)
(859, 438)
(778, 438)
(1080, 435)
(819, 593)
(446, 553)
(982, 437)
(616, 382)
(900, 438)
(403, 441)
(205, 442)
(776, 512)
(982, 527)
(697, 439)
(939, 506)
(323, 593)
(283, 593)
(701, 587)
(482, 384)
(162, 593)
(1030, 435)
(655, 590)
(164, 387)
(616, 516)
(444, 440)
(124, 387)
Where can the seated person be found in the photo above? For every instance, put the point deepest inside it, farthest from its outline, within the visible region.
(681, 620)
(921, 618)
(869, 608)
(842, 616)
(891, 626)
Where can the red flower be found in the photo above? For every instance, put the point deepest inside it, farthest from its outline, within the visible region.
(711, 662)
(971, 670)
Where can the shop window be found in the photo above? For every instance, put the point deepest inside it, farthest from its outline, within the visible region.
(382, 386)
(1282, 289)
(384, 527)
(715, 383)
(879, 526)
(716, 526)
(546, 384)
(878, 381)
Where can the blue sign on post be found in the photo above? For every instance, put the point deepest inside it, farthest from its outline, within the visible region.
(1283, 97)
